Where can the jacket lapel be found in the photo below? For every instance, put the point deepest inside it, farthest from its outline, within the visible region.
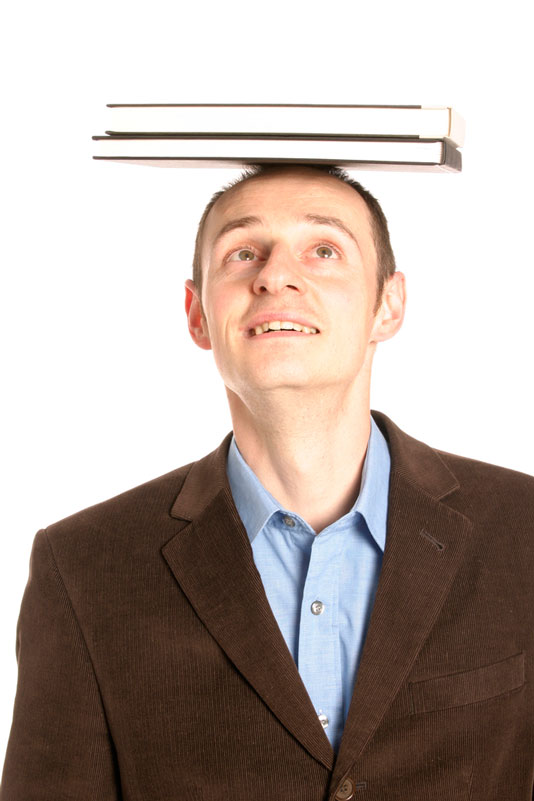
(425, 545)
(212, 560)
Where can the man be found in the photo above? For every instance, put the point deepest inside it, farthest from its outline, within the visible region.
(323, 607)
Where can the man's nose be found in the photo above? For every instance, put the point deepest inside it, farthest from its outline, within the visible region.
(280, 271)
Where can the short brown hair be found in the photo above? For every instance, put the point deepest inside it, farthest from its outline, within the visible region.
(379, 226)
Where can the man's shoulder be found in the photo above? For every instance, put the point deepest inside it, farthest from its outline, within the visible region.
(121, 518)
(471, 471)
(490, 490)
(469, 465)
(484, 491)
(135, 524)
(416, 457)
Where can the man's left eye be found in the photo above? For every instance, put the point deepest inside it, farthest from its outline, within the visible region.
(243, 254)
(325, 251)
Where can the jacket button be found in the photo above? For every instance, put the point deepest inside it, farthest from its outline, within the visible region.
(345, 791)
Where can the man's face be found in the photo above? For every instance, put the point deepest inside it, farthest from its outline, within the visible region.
(290, 247)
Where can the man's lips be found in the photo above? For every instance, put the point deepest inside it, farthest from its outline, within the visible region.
(276, 320)
(281, 334)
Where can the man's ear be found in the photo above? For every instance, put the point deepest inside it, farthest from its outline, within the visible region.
(391, 312)
(198, 327)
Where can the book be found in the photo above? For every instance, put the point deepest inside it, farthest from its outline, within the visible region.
(238, 151)
(427, 122)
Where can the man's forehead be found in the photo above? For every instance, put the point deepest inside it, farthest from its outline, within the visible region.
(292, 196)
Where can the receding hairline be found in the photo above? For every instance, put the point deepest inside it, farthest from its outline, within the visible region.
(278, 170)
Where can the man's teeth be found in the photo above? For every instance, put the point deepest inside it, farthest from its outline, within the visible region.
(283, 325)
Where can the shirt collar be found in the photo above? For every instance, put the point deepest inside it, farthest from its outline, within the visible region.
(256, 505)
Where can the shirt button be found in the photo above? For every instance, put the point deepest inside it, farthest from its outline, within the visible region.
(317, 607)
(323, 720)
(289, 521)
(345, 791)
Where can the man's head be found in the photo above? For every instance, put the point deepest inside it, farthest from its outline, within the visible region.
(293, 244)
(377, 219)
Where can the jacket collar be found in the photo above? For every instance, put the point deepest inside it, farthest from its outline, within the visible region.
(416, 462)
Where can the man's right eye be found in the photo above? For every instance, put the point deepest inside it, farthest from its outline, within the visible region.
(244, 254)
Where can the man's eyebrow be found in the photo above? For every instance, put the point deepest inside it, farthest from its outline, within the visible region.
(242, 222)
(335, 222)
(318, 219)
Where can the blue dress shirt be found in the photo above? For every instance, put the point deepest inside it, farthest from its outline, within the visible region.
(321, 587)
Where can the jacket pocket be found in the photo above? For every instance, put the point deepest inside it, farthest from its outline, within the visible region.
(468, 687)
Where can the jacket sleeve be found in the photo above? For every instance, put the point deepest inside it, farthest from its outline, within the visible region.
(60, 746)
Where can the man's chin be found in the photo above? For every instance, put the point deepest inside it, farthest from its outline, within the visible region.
(277, 384)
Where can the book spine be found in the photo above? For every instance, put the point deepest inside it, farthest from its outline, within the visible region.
(451, 159)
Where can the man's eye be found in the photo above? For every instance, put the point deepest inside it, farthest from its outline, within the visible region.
(242, 255)
(325, 251)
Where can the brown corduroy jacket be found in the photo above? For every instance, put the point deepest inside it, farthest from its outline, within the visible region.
(151, 667)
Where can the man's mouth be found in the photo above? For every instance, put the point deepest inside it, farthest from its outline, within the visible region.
(281, 325)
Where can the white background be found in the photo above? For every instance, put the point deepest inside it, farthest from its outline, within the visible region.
(102, 388)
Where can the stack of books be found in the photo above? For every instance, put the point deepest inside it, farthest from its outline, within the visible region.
(234, 135)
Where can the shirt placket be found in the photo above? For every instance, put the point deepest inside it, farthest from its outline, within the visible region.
(319, 658)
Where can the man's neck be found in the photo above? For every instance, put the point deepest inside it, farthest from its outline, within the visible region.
(308, 452)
